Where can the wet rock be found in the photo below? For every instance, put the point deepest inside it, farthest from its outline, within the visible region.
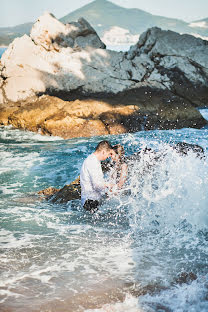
(68, 119)
(184, 148)
(185, 278)
(130, 112)
(48, 192)
(63, 195)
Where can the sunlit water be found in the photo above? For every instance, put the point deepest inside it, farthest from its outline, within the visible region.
(127, 256)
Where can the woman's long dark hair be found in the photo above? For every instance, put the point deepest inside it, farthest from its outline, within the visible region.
(119, 150)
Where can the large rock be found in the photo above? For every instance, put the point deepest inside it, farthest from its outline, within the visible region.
(53, 116)
(51, 34)
(69, 192)
(157, 84)
(182, 59)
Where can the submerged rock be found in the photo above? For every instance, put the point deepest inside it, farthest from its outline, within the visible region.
(184, 148)
(185, 278)
(68, 192)
(156, 85)
(63, 195)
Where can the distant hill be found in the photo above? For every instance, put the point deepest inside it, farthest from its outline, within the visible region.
(111, 21)
(103, 14)
(8, 34)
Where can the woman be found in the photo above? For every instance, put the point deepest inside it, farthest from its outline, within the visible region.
(118, 173)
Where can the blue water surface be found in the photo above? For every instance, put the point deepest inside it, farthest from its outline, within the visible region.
(2, 50)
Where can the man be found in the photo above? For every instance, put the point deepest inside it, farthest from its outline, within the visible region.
(93, 185)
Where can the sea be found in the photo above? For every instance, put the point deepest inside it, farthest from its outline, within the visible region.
(2, 50)
(145, 250)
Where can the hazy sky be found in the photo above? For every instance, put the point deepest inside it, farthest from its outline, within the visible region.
(14, 12)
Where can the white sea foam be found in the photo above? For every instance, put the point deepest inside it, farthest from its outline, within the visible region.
(175, 182)
(8, 294)
(10, 241)
(130, 304)
(11, 161)
(185, 297)
(9, 133)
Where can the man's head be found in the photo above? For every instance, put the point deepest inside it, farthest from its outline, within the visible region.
(103, 150)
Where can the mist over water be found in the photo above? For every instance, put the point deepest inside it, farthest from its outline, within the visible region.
(132, 255)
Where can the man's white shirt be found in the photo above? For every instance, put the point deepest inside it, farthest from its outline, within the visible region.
(91, 179)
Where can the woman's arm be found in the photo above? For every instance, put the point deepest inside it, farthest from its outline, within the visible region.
(123, 175)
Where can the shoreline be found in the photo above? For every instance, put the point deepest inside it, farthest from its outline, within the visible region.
(3, 47)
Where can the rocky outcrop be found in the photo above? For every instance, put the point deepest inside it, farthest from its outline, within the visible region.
(69, 192)
(146, 110)
(53, 116)
(179, 62)
(64, 82)
(51, 34)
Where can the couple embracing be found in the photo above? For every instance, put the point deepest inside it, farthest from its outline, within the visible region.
(93, 184)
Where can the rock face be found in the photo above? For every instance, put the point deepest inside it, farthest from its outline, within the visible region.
(63, 195)
(180, 62)
(51, 34)
(53, 116)
(89, 90)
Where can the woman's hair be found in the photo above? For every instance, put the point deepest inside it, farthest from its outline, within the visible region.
(119, 150)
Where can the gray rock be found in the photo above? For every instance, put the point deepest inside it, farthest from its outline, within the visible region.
(53, 35)
(156, 42)
(90, 40)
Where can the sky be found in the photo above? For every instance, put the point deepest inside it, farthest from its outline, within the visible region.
(15, 12)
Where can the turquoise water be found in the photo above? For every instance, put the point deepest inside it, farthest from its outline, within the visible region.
(59, 258)
(2, 50)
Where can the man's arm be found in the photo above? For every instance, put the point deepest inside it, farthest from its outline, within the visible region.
(97, 179)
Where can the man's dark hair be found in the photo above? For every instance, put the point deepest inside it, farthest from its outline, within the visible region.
(103, 145)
